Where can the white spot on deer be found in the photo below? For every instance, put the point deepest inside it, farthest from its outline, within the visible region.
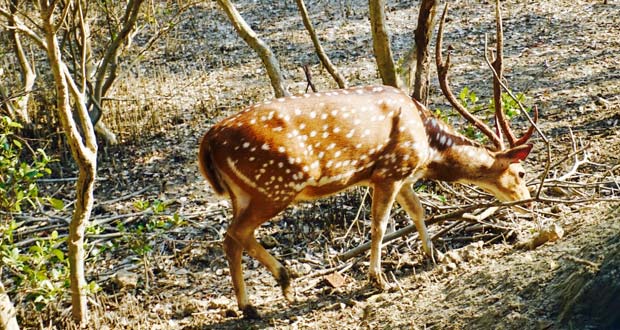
(312, 134)
(350, 134)
(314, 164)
(336, 129)
(331, 146)
(297, 111)
(286, 117)
(280, 179)
(442, 141)
(246, 145)
(277, 129)
(251, 159)
(338, 165)
(337, 154)
(253, 149)
(324, 135)
(265, 146)
(329, 163)
(334, 113)
(321, 154)
(312, 114)
(323, 116)
(281, 149)
(257, 176)
(346, 163)
(366, 132)
(356, 121)
(280, 164)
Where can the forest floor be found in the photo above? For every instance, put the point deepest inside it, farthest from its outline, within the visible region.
(160, 263)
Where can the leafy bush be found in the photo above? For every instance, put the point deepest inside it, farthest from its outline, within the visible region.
(17, 177)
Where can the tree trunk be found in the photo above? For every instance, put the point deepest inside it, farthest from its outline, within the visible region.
(423, 33)
(317, 46)
(7, 312)
(259, 46)
(381, 43)
(84, 151)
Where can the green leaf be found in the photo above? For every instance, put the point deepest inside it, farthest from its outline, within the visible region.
(59, 254)
(57, 204)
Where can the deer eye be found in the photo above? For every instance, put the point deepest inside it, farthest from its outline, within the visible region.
(521, 175)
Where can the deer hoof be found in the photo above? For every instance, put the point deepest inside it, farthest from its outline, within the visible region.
(378, 282)
(251, 313)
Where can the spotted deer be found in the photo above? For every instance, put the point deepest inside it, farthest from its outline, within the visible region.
(309, 146)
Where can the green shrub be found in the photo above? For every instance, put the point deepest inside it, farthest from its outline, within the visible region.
(18, 177)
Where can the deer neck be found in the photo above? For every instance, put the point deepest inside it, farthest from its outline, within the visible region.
(452, 157)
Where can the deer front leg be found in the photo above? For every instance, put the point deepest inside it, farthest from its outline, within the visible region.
(382, 199)
(411, 203)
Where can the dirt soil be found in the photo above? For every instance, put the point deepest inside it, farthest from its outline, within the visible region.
(564, 55)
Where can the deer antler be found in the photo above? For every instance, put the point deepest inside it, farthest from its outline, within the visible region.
(497, 67)
(442, 72)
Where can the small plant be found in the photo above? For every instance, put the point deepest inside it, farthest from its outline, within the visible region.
(18, 177)
(469, 99)
(41, 271)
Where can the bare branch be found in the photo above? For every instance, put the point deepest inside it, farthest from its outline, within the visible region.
(381, 42)
(264, 52)
(423, 33)
(342, 83)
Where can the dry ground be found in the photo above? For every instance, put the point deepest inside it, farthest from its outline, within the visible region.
(564, 55)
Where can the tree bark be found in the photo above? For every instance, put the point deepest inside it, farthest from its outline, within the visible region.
(342, 83)
(84, 151)
(7, 312)
(423, 34)
(259, 46)
(381, 43)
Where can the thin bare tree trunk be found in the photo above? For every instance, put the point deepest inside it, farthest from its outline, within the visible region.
(7, 312)
(423, 34)
(381, 43)
(342, 83)
(260, 47)
(84, 152)
(19, 108)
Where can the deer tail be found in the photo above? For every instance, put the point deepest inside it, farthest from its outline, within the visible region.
(207, 166)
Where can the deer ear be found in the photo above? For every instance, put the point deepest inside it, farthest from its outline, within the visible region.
(516, 154)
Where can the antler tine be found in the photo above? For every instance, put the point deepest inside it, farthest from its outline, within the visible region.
(530, 130)
(497, 68)
(442, 72)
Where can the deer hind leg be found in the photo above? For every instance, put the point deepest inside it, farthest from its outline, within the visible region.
(382, 199)
(411, 203)
(249, 214)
